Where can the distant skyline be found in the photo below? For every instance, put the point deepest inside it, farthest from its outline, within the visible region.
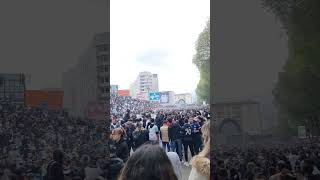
(159, 37)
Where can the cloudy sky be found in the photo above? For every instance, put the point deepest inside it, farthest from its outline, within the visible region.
(156, 36)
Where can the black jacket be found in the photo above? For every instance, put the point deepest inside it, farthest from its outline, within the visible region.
(175, 131)
(140, 137)
(122, 150)
(116, 164)
(187, 132)
(55, 171)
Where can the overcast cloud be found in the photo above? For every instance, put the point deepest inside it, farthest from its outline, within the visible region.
(156, 36)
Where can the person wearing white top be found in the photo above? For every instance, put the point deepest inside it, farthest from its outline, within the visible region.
(175, 161)
(153, 132)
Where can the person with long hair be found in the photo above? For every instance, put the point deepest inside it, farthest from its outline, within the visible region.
(201, 162)
(148, 162)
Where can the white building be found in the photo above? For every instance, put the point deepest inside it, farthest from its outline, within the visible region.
(146, 82)
(185, 98)
(167, 98)
(88, 81)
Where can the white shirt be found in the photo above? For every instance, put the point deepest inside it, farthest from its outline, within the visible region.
(175, 161)
(153, 133)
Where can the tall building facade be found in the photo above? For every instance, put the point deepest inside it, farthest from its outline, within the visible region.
(88, 81)
(146, 82)
(12, 88)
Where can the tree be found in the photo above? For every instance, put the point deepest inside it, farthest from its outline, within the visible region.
(298, 86)
(202, 60)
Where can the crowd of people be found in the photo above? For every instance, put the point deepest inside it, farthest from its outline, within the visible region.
(176, 131)
(30, 136)
(121, 104)
(150, 152)
(299, 161)
(42, 143)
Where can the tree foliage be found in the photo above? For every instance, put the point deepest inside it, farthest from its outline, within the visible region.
(298, 88)
(202, 60)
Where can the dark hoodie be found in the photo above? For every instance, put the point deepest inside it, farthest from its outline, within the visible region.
(55, 167)
(122, 150)
(175, 131)
(115, 166)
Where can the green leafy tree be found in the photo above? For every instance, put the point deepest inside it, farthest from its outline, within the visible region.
(202, 60)
(298, 86)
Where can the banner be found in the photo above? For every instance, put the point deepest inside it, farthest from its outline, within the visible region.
(124, 92)
(114, 89)
(164, 97)
(154, 96)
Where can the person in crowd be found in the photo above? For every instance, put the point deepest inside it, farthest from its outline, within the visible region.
(140, 136)
(187, 140)
(115, 165)
(308, 169)
(153, 132)
(175, 161)
(175, 138)
(164, 134)
(3, 174)
(115, 123)
(127, 115)
(250, 171)
(160, 118)
(141, 165)
(122, 150)
(196, 135)
(169, 122)
(129, 127)
(55, 167)
(201, 162)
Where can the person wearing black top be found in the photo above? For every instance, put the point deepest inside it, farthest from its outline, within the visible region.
(196, 135)
(187, 140)
(140, 136)
(129, 128)
(113, 168)
(122, 150)
(55, 167)
(175, 134)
